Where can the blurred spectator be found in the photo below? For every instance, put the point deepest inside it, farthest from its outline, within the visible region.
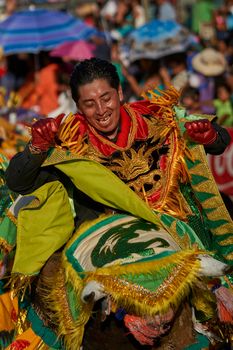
(109, 10)
(184, 12)
(223, 46)
(165, 10)
(223, 105)
(138, 12)
(116, 61)
(66, 104)
(123, 20)
(193, 49)
(229, 80)
(151, 76)
(178, 70)
(7, 79)
(11, 140)
(88, 12)
(190, 100)
(10, 8)
(220, 22)
(209, 63)
(102, 49)
(41, 93)
(202, 14)
(16, 69)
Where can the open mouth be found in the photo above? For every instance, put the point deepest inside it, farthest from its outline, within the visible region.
(104, 121)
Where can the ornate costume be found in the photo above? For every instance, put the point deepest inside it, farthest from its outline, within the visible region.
(145, 257)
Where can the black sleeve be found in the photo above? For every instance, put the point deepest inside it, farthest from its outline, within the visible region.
(221, 143)
(24, 173)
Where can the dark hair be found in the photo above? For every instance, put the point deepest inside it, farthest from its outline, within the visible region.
(90, 69)
(190, 91)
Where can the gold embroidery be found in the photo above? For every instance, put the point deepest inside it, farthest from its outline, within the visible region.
(215, 202)
(134, 163)
(183, 242)
(229, 256)
(139, 165)
(21, 324)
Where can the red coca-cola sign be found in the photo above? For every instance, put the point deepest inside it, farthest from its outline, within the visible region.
(222, 168)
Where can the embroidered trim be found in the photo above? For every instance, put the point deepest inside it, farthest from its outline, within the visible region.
(132, 133)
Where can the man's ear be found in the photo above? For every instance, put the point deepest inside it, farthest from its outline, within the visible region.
(120, 93)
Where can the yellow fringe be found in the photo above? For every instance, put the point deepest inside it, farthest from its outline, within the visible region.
(171, 200)
(140, 300)
(19, 284)
(162, 98)
(131, 296)
(204, 300)
(136, 298)
(55, 295)
(67, 133)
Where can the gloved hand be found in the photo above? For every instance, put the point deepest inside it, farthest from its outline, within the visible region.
(44, 131)
(201, 131)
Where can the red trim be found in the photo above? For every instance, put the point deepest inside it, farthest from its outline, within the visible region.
(123, 135)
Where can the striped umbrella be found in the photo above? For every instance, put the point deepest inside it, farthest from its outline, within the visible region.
(31, 31)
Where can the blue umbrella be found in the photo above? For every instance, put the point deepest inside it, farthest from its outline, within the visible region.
(157, 39)
(31, 31)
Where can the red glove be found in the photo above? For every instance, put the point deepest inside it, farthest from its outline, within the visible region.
(201, 131)
(44, 131)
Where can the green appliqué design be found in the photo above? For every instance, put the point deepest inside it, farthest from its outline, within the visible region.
(115, 243)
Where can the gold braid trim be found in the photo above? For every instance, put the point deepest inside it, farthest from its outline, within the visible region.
(11, 217)
(140, 300)
(215, 202)
(22, 324)
(5, 247)
(67, 133)
(53, 290)
(42, 346)
(171, 200)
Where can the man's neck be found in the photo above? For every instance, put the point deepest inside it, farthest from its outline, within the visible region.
(113, 136)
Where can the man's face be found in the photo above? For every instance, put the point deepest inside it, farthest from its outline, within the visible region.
(100, 104)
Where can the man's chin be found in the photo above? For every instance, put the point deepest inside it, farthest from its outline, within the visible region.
(108, 133)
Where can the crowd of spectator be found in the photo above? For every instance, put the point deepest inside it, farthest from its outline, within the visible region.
(203, 72)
